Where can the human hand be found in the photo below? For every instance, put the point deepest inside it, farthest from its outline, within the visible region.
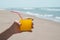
(15, 27)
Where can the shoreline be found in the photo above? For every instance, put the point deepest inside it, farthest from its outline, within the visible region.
(51, 19)
(35, 15)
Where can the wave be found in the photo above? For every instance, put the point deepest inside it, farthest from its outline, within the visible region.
(27, 8)
(39, 15)
(57, 17)
(45, 16)
(29, 13)
(53, 9)
(36, 14)
(50, 9)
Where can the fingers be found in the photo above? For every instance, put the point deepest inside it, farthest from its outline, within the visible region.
(17, 22)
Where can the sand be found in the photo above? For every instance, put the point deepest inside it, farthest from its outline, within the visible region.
(43, 29)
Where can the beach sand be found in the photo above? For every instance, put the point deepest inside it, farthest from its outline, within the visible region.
(43, 29)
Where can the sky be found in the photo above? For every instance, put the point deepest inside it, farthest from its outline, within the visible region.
(29, 3)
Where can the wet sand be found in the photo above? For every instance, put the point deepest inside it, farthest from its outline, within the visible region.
(43, 29)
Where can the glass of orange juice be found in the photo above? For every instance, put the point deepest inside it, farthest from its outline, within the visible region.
(26, 25)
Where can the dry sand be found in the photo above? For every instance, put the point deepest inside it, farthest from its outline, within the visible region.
(43, 29)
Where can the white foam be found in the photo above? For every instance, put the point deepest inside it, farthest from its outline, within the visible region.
(57, 17)
(46, 16)
(40, 15)
(49, 17)
(29, 13)
(53, 9)
(50, 9)
(56, 20)
(36, 14)
(27, 8)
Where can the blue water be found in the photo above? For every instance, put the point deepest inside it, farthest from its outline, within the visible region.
(50, 13)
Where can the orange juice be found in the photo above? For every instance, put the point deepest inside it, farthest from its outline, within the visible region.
(26, 24)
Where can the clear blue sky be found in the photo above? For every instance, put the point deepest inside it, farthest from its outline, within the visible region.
(29, 3)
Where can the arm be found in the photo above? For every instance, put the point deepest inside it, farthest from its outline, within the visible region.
(14, 28)
(6, 34)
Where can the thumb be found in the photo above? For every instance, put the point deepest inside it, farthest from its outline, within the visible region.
(17, 22)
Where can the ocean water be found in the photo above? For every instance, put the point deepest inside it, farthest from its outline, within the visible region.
(50, 13)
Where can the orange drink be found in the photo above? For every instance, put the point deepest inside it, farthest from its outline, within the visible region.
(26, 24)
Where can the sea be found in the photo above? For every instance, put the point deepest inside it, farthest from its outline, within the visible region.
(49, 13)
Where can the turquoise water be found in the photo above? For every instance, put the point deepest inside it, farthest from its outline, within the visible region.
(50, 13)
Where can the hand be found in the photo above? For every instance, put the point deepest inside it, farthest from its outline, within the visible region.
(15, 27)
